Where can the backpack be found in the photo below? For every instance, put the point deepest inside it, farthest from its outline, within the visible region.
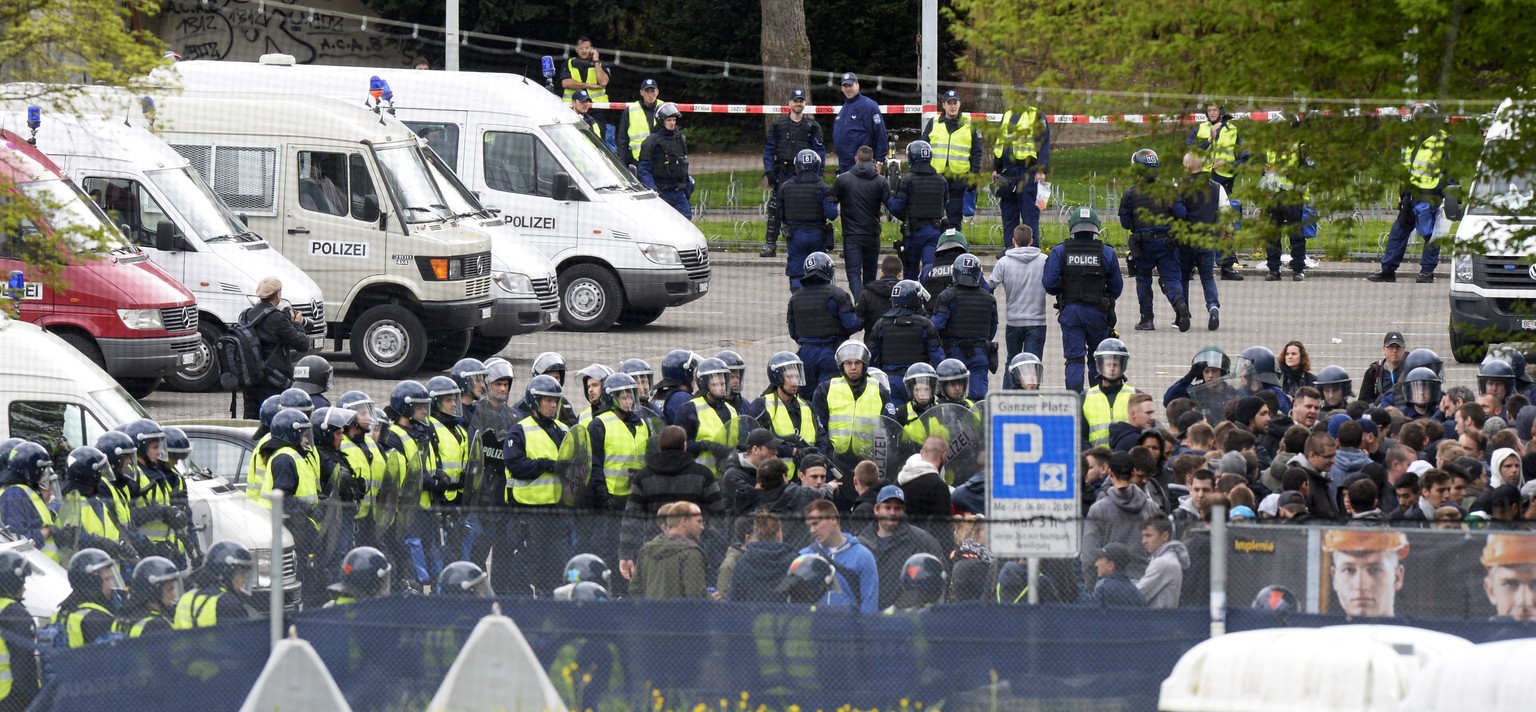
(241, 364)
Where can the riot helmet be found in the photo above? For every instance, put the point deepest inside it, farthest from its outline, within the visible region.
(666, 111)
(84, 470)
(923, 577)
(806, 161)
(539, 388)
(292, 427)
(150, 580)
(119, 449)
(786, 371)
(640, 371)
(908, 294)
(1496, 378)
(91, 570)
(879, 377)
(550, 363)
(444, 392)
(1212, 357)
(364, 574)
(409, 400)
(588, 592)
(1111, 358)
(738, 367)
(296, 399)
(148, 438)
(1512, 355)
(1145, 159)
(1028, 372)
(1422, 388)
(809, 578)
(592, 381)
(852, 351)
(177, 444)
(919, 152)
(1257, 363)
(967, 270)
(1335, 384)
(496, 373)
(313, 375)
(922, 383)
(819, 266)
(14, 571)
(470, 374)
(1426, 358)
(269, 408)
(587, 567)
(31, 464)
(325, 423)
(620, 393)
(1276, 599)
(463, 578)
(713, 379)
(678, 365)
(227, 563)
(954, 379)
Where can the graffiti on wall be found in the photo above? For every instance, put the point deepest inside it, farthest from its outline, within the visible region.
(243, 30)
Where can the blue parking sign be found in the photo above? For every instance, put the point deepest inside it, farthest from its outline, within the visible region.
(1033, 446)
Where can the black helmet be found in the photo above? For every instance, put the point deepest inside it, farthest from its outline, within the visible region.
(819, 266)
(1145, 158)
(1027, 370)
(677, 366)
(548, 362)
(313, 374)
(705, 373)
(908, 294)
(588, 592)
(967, 270)
(143, 431)
(441, 387)
(405, 397)
(227, 558)
(30, 463)
(6, 446)
(85, 572)
(616, 384)
(919, 152)
(924, 575)
(738, 367)
(784, 365)
(149, 578)
(297, 399)
(666, 111)
(118, 447)
(1422, 386)
(14, 570)
(469, 373)
(806, 161)
(587, 567)
(290, 426)
(326, 422)
(952, 369)
(84, 470)
(1277, 599)
(1494, 371)
(852, 351)
(1212, 357)
(921, 374)
(809, 578)
(1502, 352)
(1335, 376)
(1258, 363)
(640, 370)
(1112, 348)
(540, 387)
(176, 442)
(269, 408)
(1425, 358)
(364, 573)
(462, 578)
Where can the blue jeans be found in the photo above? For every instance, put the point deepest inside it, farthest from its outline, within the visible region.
(1021, 339)
(861, 258)
(1192, 259)
(820, 363)
(1419, 218)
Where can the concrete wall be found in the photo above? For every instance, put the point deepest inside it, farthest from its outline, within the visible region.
(243, 30)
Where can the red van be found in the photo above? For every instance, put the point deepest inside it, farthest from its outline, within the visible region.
(119, 309)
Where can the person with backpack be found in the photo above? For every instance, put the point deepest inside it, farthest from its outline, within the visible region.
(277, 335)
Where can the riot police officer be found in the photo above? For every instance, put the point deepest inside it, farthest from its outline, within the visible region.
(805, 209)
(230, 572)
(1027, 372)
(17, 624)
(1257, 370)
(539, 533)
(1421, 388)
(493, 417)
(469, 373)
(619, 440)
(707, 417)
(966, 317)
(954, 382)
(787, 137)
(552, 364)
(904, 336)
(1084, 273)
(1424, 159)
(1149, 217)
(366, 461)
(1021, 156)
(407, 445)
(820, 317)
(1336, 386)
(956, 153)
(676, 385)
(1108, 401)
(851, 405)
(364, 574)
(24, 473)
(738, 367)
(1209, 365)
(592, 390)
(664, 161)
(919, 203)
(452, 443)
(313, 375)
(86, 614)
(785, 412)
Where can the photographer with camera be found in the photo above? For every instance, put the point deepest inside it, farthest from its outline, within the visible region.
(279, 327)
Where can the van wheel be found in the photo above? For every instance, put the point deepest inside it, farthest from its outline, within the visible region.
(636, 316)
(483, 347)
(446, 350)
(388, 341)
(203, 373)
(591, 298)
(140, 388)
(85, 345)
(1466, 350)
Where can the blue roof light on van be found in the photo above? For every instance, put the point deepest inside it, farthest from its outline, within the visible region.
(34, 120)
(381, 93)
(547, 63)
(147, 107)
(16, 283)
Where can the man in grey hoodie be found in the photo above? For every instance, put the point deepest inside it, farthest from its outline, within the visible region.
(1020, 272)
(1163, 581)
(1117, 517)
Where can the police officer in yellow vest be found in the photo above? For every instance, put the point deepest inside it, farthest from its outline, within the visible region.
(585, 71)
(118, 489)
(784, 412)
(1286, 175)
(1021, 157)
(153, 592)
(1419, 204)
(230, 570)
(366, 460)
(707, 417)
(851, 406)
(163, 523)
(256, 471)
(1109, 401)
(619, 439)
(539, 530)
(413, 462)
(493, 418)
(18, 671)
(86, 614)
(88, 514)
(341, 488)
(637, 122)
(1218, 139)
(292, 469)
(581, 103)
(922, 383)
(22, 510)
(442, 491)
(956, 153)
(364, 573)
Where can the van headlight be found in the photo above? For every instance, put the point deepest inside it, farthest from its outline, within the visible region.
(1461, 268)
(263, 566)
(141, 319)
(660, 254)
(513, 282)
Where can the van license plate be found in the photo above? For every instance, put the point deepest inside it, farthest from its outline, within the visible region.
(188, 358)
(1528, 324)
(703, 287)
(316, 343)
(485, 312)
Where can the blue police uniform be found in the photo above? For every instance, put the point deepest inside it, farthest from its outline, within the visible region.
(820, 317)
(1149, 221)
(805, 207)
(786, 139)
(919, 202)
(902, 337)
(966, 318)
(1418, 206)
(1082, 271)
(664, 168)
(1023, 149)
(858, 124)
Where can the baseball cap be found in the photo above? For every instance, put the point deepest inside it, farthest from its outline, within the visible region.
(581, 95)
(763, 437)
(1334, 421)
(648, 84)
(890, 492)
(1242, 511)
(1290, 497)
(1394, 337)
(1116, 553)
(1369, 426)
(796, 94)
(951, 95)
(850, 78)
(1084, 216)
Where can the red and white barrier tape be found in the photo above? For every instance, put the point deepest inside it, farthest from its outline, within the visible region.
(921, 109)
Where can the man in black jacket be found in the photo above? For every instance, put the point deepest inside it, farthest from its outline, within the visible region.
(861, 192)
(281, 336)
(670, 475)
(874, 300)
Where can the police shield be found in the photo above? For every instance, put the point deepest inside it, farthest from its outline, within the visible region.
(406, 499)
(489, 424)
(330, 514)
(889, 448)
(69, 520)
(653, 425)
(960, 427)
(1213, 396)
(575, 466)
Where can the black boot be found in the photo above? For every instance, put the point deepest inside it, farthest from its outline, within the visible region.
(1231, 274)
(1146, 323)
(769, 250)
(1382, 276)
(1181, 316)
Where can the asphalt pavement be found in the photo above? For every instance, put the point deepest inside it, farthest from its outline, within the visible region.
(1339, 316)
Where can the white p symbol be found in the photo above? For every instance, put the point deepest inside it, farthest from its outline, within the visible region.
(1014, 457)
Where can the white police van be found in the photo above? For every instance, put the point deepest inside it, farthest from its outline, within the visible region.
(623, 254)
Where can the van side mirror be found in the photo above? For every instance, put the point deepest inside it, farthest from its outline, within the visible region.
(370, 208)
(563, 187)
(244, 219)
(165, 236)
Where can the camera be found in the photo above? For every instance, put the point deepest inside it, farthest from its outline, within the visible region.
(1225, 117)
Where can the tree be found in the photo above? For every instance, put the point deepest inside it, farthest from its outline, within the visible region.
(785, 44)
(54, 46)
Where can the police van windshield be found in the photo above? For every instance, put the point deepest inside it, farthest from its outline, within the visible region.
(206, 215)
(460, 202)
(119, 405)
(1502, 195)
(70, 211)
(592, 159)
(405, 172)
